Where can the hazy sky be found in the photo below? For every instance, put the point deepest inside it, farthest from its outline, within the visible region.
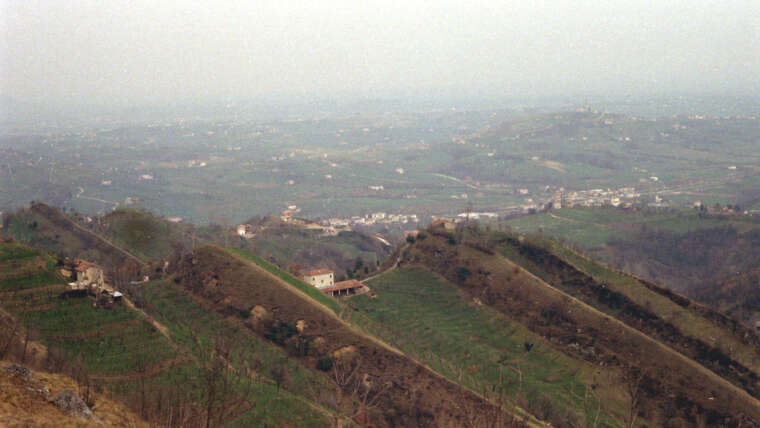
(153, 51)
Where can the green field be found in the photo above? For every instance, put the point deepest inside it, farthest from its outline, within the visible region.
(432, 320)
(590, 228)
(115, 345)
(108, 341)
(141, 233)
(310, 290)
(325, 165)
(187, 321)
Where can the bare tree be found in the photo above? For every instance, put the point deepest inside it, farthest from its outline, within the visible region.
(228, 390)
(361, 393)
(632, 379)
(280, 375)
(10, 327)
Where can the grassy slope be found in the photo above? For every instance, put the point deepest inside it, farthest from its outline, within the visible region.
(112, 344)
(142, 233)
(432, 320)
(591, 227)
(579, 329)
(22, 406)
(109, 341)
(290, 279)
(186, 318)
(45, 227)
(241, 282)
(693, 320)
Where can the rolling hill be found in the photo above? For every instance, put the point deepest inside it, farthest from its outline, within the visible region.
(461, 328)
(395, 390)
(165, 374)
(703, 256)
(693, 364)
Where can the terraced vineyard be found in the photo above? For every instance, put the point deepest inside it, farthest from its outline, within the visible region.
(295, 404)
(108, 341)
(432, 320)
(120, 350)
(597, 323)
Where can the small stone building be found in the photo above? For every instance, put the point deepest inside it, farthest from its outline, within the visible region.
(443, 223)
(88, 275)
(320, 278)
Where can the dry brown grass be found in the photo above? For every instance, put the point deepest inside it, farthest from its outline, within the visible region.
(22, 406)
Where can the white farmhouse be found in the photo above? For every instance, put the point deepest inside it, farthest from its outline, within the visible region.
(320, 278)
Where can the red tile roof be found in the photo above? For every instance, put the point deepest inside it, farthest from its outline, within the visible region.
(82, 265)
(316, 272)
(343, 285)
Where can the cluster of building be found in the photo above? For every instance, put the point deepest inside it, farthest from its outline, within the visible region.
(324, 281)
(624, 196)
(372, 219)
(90, 279)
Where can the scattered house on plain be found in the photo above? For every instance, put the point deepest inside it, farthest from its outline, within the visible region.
(246, 231)
(287, 215)
(174, 219)
(320, 278)
(477, 216)
(442, 223)
(330, 231)
(345, 288)
(412, 233)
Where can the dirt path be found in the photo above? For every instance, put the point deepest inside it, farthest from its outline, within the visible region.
(81, 191)
(318, 305)
(109, 243)
(686, 360)
(63, 218)
(390, 269)
(160, 327)
(371, 338)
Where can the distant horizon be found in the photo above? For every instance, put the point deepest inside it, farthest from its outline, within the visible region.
(282, 106)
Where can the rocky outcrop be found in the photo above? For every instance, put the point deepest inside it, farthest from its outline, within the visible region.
(73, 405)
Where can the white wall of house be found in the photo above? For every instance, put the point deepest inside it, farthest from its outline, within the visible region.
(320, 281)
